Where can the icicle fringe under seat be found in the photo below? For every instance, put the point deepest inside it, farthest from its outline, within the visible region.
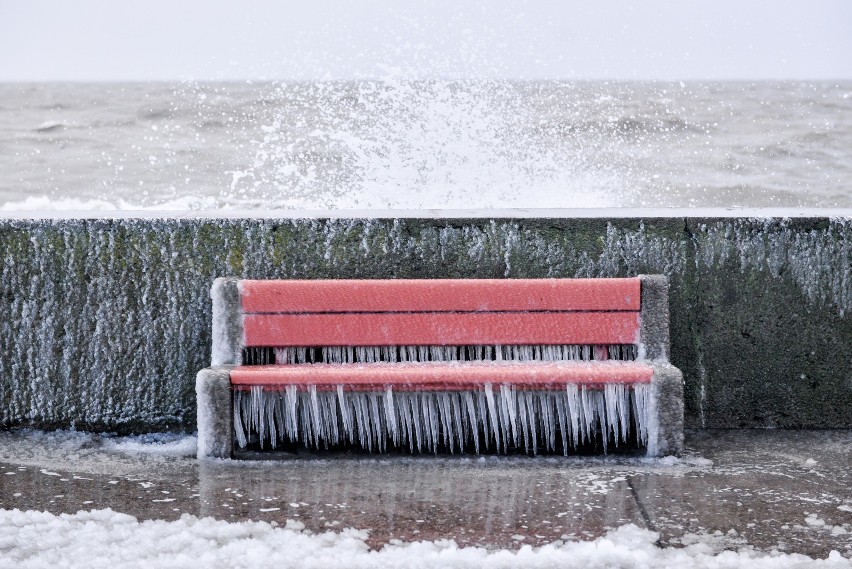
(497, 418)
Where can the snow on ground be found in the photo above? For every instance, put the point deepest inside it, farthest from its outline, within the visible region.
(104, 538)
(162, 444)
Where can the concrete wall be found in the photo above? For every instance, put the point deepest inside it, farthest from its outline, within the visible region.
(106, 321)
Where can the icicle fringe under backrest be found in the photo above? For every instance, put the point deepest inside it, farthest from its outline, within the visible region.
(393, 354)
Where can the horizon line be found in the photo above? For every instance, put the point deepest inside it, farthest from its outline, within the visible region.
(443, 79)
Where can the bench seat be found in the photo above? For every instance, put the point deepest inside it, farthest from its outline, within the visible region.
(441, 375)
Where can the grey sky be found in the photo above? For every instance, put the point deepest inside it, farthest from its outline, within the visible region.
(213, 39)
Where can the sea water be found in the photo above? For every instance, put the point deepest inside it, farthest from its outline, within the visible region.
(424, 144)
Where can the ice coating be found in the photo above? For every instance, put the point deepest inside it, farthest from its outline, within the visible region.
(106, 322)
(454, 335)
(418, 328)
(497, 418)
(819, 261)
(227, 322)
(372, 354)
(434, 295)
(441, 375)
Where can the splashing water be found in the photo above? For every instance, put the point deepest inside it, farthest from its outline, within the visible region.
(416, 144)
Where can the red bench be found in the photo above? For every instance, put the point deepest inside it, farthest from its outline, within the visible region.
(390, 337)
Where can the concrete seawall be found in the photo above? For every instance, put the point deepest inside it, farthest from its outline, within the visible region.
(105, 321)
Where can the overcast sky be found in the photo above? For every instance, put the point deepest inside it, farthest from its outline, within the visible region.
(87, 40)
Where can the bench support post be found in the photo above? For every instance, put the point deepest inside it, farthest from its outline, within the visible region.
(666, 434)
(215, 412)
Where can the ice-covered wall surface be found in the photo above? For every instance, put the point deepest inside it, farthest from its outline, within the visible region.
(106, 321)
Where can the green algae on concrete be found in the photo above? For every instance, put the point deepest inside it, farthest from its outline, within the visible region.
(106, 321)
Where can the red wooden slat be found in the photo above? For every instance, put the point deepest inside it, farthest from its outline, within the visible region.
(422, 295)
(443, 376)
(441, 329)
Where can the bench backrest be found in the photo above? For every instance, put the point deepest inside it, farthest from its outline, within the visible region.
(282, 313)
(440, 312)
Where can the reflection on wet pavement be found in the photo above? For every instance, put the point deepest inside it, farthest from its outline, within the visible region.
(780, 490)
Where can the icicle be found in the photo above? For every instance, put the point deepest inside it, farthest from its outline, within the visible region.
(238, 419)
(564, 427)
(473, 421)
(370, 354)
(507, 404)
(483, 419)
(458, 421)
(611, 403)
(573, 404)
(406, 418)
(315, 414)
(494, 419)
(390, 414)
(600, 411)
(269, 419)
(587, 414)
(415, 406)
(445, 419)
(642, 409)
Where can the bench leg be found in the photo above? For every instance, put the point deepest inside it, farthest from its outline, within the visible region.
(215, 415)
(665, 437)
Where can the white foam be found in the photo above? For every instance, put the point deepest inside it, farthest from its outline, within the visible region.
(47, 204)
(130, 211)
(421, 144)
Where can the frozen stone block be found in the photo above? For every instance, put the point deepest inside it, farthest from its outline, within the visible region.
(215, 412)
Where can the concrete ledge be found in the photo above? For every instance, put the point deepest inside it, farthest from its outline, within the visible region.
(496, 213)
(107, 321)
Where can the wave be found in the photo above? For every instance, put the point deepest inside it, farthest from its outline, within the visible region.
(50, 126)
(403, 144)
(46, 203)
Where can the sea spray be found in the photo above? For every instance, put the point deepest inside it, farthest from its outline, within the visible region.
(400, 143)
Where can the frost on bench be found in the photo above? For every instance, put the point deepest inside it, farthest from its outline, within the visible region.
(425, 398)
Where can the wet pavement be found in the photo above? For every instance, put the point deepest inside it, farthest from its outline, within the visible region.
(789, 491)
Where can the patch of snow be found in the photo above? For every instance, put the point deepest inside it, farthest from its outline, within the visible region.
(816, 523)
(101, 538)
(162, 444)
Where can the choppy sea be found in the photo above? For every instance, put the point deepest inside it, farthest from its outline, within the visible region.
(424, 144)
